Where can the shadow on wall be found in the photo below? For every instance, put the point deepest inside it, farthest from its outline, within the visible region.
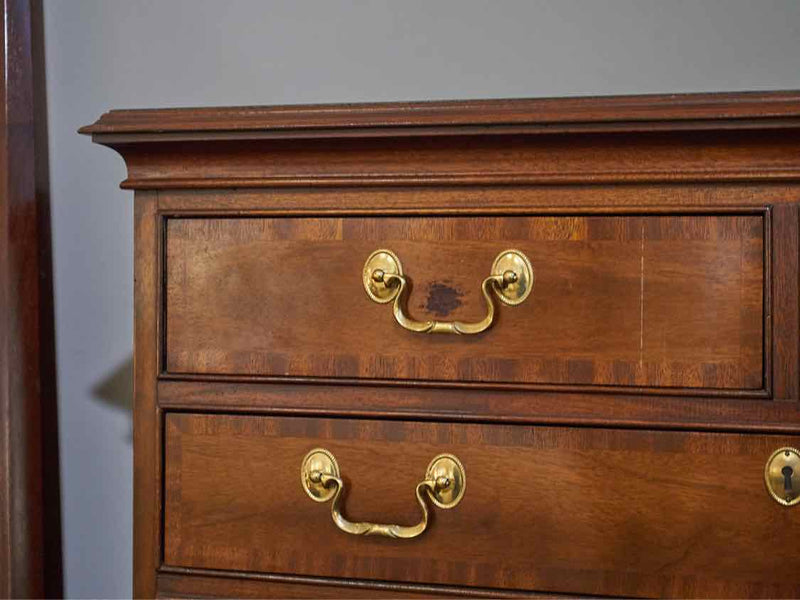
(116, 390)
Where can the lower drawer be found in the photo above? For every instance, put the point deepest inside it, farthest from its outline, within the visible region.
(574, 510)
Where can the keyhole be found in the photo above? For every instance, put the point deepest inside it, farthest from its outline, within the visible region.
(787, 472)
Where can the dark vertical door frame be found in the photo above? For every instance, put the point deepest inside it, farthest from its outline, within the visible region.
(30, 561)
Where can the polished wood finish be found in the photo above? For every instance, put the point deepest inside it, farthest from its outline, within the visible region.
(30, 549)
(678, 138)
(653, 513)
(626, 301)
(624, 113)
(641, 408)
(147, 415)
(786, 310)
(513, 159)
(179, 582)
(488, 199)
(641, 418)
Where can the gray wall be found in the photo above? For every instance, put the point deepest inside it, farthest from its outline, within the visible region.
(127, 53)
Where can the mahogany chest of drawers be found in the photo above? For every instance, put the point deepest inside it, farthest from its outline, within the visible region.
(492, 348)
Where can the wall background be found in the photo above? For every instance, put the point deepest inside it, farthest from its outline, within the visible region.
(104, 54)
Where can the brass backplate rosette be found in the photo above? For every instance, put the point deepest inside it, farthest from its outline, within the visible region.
(448, 466)
(387, 262)
(321, 461)
(515, 292)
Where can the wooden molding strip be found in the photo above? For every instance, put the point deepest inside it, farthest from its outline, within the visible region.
(579, 113)
(360, 584)
(621, 390)
(481, 406)
(366, 180)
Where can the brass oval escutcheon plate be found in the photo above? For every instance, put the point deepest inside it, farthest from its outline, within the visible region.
(386, 261)
(447, 465)
(318, 460)
(782, 476)
(516, 292)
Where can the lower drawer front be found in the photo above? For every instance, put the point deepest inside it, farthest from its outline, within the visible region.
(594, 511)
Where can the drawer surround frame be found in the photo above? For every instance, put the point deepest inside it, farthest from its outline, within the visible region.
(136, 133)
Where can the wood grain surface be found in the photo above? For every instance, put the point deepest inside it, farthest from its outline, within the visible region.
(621, 111)
(642, 409)
(491, 158)
(178, 582)
(30, 522)
(674, 301)
(593, 511)
(147, 449)
(601, 140)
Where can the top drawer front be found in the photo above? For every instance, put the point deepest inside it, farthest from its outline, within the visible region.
(662, 301)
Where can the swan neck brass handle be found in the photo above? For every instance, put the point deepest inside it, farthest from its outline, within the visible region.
(510, 280)
(444, 485)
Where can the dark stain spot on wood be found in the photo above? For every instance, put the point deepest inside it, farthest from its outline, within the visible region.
(442, 298)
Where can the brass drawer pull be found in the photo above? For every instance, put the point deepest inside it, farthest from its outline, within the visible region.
(511, 279)
(444, 485)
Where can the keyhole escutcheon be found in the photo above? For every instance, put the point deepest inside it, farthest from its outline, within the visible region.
(778, 474)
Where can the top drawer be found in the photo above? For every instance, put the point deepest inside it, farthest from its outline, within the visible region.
(653, 301)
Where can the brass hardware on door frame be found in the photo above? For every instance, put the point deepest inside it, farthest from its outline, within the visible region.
(444, 485)
(782, 476)
(511, 279)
